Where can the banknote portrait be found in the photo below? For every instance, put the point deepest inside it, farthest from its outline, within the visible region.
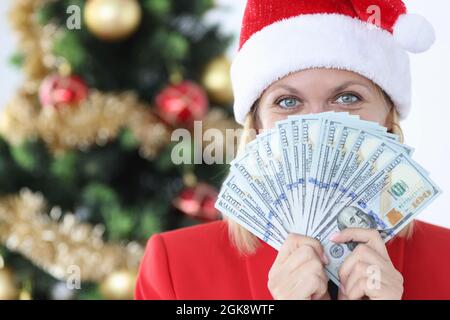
(353, 217)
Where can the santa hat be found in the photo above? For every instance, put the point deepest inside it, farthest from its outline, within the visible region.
(369, 37)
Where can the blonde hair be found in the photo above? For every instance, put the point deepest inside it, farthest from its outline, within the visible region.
(244, 240)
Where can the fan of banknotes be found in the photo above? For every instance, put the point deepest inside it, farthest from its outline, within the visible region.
(321, 173)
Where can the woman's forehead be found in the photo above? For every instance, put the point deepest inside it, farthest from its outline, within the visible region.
(320, 76)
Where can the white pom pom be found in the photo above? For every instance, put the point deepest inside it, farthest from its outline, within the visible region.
(414, 33)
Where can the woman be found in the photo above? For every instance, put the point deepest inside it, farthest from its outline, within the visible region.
(300, 57)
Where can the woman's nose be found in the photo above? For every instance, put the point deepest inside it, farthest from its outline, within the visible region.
(318, 107)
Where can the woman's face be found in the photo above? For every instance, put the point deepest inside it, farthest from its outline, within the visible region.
(321, 90)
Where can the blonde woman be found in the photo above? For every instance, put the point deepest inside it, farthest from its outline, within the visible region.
(301, 57)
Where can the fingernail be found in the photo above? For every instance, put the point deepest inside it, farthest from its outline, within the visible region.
(334, 237)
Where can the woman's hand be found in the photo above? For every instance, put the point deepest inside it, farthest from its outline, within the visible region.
(298, 271)
(368, 271)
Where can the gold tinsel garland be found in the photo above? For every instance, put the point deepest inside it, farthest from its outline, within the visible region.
(59, 243)
(94, 121)
(22, 17)
(151, 134)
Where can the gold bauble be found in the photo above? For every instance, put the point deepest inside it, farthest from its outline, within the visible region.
(217, 82)
(8, 287)
(25, 295)
(112, 20)
(119, 285)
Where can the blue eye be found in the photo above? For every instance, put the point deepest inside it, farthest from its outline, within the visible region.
(289, 103)
(348, 98)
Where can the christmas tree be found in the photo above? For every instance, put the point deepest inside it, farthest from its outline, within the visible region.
(85, 144)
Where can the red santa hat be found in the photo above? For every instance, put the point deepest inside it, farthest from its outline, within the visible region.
(369, 37)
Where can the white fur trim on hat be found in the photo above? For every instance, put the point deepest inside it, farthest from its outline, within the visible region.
(320, 41)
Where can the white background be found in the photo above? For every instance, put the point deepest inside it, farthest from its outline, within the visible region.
(427, 129)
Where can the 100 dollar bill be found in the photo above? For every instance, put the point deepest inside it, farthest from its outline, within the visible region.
(392, 198)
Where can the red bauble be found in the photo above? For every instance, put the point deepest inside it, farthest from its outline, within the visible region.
(198, 202)
(182, 104)
(57, 90)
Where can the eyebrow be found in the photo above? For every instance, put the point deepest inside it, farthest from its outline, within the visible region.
(335, 90)
(286, 87)
(348, 84)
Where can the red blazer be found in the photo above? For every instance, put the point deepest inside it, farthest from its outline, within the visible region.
(200, 262)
